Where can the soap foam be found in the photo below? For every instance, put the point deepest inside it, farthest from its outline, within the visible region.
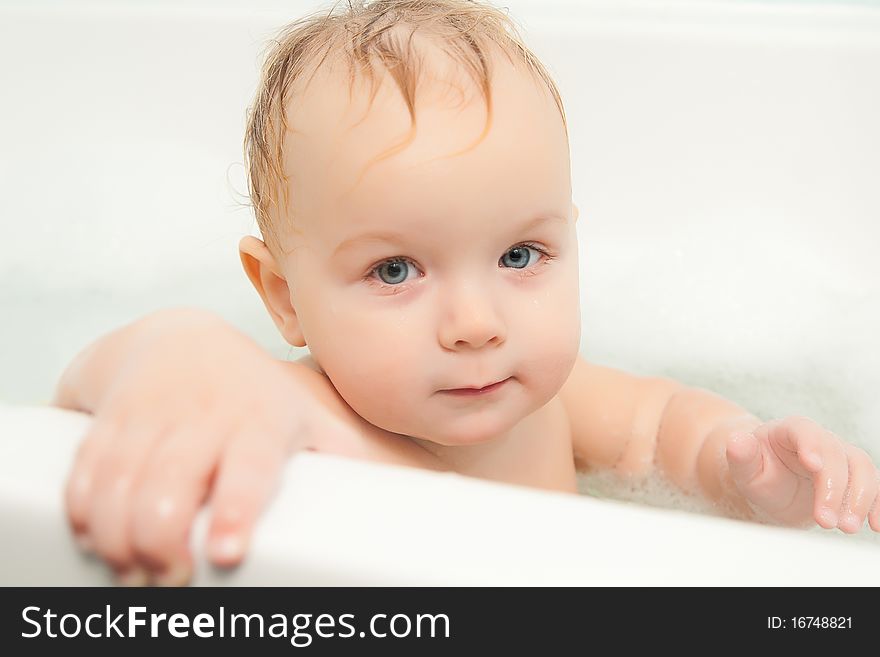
(657, 491)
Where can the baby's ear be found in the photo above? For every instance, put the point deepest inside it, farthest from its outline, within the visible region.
(268, 279)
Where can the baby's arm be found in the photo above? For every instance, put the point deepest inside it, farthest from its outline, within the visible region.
(791, 470)
(185, 407)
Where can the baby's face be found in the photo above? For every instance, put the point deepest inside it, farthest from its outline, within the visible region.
(435, 270)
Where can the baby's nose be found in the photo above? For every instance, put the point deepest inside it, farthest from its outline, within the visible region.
(470, 317)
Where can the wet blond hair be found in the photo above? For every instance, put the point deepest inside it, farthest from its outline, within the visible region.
(365, 31)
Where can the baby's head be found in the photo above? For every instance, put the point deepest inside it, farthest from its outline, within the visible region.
(419, 231)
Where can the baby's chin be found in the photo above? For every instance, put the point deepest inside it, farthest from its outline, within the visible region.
(466, 429)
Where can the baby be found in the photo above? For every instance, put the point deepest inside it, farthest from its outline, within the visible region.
(409, 169)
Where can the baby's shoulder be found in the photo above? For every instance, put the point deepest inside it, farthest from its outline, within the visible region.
(310, 374)
(378, 444)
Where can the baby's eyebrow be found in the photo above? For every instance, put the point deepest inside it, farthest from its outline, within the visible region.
(398, 239)
(540, 220)
(374, 236)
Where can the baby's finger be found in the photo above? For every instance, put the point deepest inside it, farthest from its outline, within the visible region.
(874, 513)
(248, 477)
(861, 492)
(744, 458)
(115, 478)
(798, 441)
(171, 490)
(830, 483)
(80, 481)
(804, 444)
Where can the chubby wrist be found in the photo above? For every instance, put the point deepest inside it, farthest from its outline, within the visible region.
(692, 436)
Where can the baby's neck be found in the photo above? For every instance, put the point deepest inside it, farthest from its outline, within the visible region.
(491, 459)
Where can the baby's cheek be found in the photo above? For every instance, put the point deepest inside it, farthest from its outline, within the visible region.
(374, 376)
(546, 369)
(553, 347)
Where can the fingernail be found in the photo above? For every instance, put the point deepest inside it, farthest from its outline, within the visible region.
(851, 521)
(133, 577)
(829, 518)
(227, 548)
(177, 574)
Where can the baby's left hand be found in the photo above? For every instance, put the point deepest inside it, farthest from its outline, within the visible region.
(796, 471)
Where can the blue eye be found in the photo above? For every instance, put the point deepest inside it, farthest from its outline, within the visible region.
(520, 256)
(396, 270)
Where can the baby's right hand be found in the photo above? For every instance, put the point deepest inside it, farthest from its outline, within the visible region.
(197, 415)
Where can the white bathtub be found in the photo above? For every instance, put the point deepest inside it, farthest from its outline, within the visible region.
(725, 164)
